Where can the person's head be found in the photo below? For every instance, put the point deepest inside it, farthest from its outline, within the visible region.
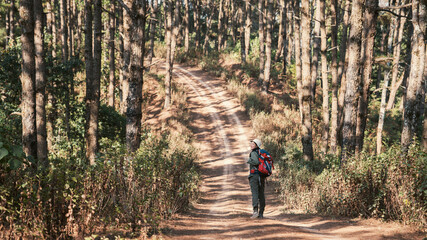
(256, 143)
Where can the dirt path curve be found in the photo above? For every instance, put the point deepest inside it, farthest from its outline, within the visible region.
(223, 132)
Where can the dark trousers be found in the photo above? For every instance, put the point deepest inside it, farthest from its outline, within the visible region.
(257, 184)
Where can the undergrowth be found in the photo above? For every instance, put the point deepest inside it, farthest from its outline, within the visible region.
(387, 186)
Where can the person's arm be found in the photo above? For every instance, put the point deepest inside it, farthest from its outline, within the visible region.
(253, 158)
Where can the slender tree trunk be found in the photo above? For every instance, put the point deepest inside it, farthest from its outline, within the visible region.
(64, 29)
(134, 100)
(126, 60)
(112, 56)
(414, 95)
(325, 83)
(267, 68)
(369, 31)
(187, 27)
(175, 30)
(424, 141)
(342, 68)
(28, 101)
(290, 15)
(281, 34)
(396, 60)
(40, 84)
(196, 16)
(208, 29)
(261, 41)
(90, 79)
(248, 25)
(233, 20)
(153, 30)
(297, 43)
(306, 82)
(169, 64)
(12, 21)
(242, 11)
(316, 50)
(382, 114)
(353, 80)
(334, 71)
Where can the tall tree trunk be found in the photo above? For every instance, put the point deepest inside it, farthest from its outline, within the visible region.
(28, 102)
(261, 41)
(242, 14)
(40, 84)
(297, 43)
(134, 100)
(334, 71)
(208, 29)
(64, 29)
(281, 34)
(248, 25)
(12, 21)
(396, 60)
(414, 95)
(126, 60)
(187, 26)
(267, 68)
(353, 80)
(175, 30)
(169, 64)
(112, 56)
(382, 113)
(153, 31)
(196, 18)
(306, 82)
(325, 83)
(233, 21)
(316, 50)
(369, 31)
(289, 33)
(342, 68)
(424, 141)
(90, 79)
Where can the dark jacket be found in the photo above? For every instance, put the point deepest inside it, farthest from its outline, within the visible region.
(253, 162)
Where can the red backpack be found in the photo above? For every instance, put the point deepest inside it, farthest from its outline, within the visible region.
(265, 167)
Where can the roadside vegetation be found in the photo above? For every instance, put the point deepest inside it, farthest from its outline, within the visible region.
(388, 186)
(131, 193)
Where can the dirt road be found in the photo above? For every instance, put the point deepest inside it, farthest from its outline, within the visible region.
(223, 132)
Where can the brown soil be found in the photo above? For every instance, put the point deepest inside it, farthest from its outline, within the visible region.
(222, 133)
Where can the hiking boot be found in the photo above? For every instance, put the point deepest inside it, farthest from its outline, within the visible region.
(255, 215)
(260, 215)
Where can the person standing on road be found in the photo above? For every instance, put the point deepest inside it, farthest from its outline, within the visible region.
(256, 181)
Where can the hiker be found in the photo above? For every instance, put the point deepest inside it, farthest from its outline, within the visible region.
(256, 181)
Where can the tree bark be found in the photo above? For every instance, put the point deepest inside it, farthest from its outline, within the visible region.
(297, 44)
(187, 27)
(424, 141)
(169, 64)
(396, 60)
(334, 71)
(112, 56)
(261, 41)
(40, 84)
(153, 30)
(126, 59)
(248, 25)
(134, 100)
(28, 101)
(353, 81)
(414, 96)
(325, 83)
(369, 31)
(289, 33)
(306, 82)
(281, 35)
(316, 50)
(267, 68)
(90, 79)
(382, 114)
(242, 11)
(208, 29)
